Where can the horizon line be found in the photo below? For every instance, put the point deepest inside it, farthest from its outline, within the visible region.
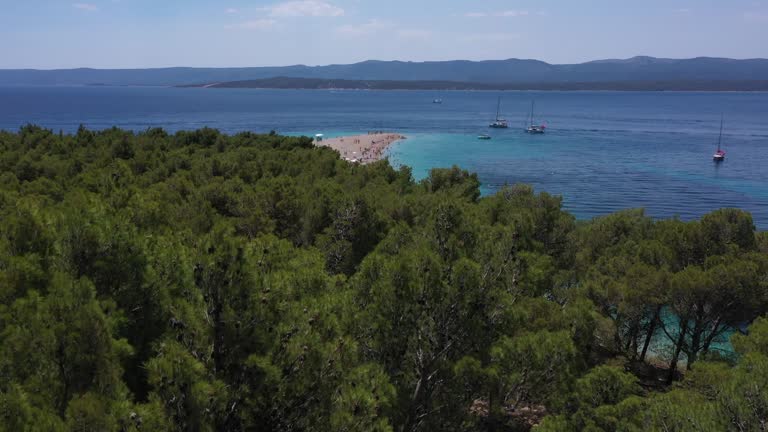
(637, 57)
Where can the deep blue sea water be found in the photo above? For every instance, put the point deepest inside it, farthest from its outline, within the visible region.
(604, 151)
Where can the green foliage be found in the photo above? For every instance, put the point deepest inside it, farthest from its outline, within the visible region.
(682, 410)
(205, 282)
(532, 367)
(605, 385)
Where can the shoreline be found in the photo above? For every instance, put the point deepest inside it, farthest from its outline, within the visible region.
(212, 86)
(215, 86)
(363, 148)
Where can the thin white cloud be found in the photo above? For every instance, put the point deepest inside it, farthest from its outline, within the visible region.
(231, 11)
(415, 33)
(313, 8)
(504, 13)
(490, 37)
(756, 16)
(85, 6)
(512, 13)
(259, 24)
(368, 28)
(376, 26)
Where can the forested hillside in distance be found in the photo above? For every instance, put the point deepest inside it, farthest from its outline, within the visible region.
(700, 69)
(204, 282)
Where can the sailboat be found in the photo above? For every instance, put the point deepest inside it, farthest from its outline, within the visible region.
(719, 155)
(532, 128)
(499, 123)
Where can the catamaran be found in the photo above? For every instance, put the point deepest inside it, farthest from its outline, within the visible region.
(719, 155)
(532, 128)
(499, 123)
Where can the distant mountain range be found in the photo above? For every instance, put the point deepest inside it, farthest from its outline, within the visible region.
(702, 69)
(647, 85)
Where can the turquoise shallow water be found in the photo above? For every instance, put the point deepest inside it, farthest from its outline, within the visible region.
(597, 173)
(604, 151)
(662, 348)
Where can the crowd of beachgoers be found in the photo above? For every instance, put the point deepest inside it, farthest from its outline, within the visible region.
(362, 148)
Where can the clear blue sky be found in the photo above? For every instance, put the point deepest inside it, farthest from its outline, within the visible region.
(157, 33)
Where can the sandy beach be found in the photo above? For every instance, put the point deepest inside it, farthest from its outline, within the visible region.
(361, 148)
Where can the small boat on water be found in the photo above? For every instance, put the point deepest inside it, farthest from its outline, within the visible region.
(499, 123)
(533, 128)
(484, 137)
(437, 101)
(719, 155)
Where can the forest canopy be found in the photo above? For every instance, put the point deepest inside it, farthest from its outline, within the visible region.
(203, 282)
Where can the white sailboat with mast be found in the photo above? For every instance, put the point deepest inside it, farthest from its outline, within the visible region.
(499, 123)
(719, 155)
(533, 128)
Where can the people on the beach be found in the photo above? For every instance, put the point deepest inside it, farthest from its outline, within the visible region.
(362, 148)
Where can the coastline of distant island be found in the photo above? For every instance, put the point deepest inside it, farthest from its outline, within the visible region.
(637, 73)
(291, 83)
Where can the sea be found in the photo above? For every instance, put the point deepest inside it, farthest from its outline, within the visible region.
(603, 151)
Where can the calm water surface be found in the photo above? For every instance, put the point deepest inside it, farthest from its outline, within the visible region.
(604, 151)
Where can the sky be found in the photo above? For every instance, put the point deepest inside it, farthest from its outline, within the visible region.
(50, 34)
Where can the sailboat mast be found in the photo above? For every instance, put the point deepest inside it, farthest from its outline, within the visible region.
(533, 106)
(498, 109)
(720, 139)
